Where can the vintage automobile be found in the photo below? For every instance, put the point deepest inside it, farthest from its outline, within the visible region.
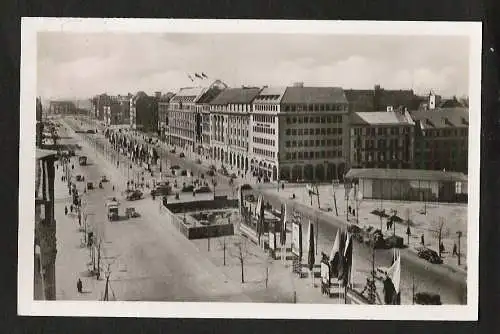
(90, 186)
(187, 188)
(246, 186)
(80, 178)
(181, 155)
(82, 160)
(210, 173)
(172, 150)
(184, 172)
(203, 189)
(134, 195)
(104, 178)
(161, 190)
(131, 213)
(429, 255)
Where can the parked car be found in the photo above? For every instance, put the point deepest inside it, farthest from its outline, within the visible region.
(233, 175)
(246, 186)
(394, 241)
(203, 189)
(429, 255)
(172, 150)
(188, 188)
(134, 195)
(161, 190)
(426, 298)
(90, 131)
(80, 178)
(183, 172)
(181, 155)
(104, 178)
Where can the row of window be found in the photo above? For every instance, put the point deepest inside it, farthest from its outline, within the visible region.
(313, 155)
(314, 131)
(231, 107)
(261, 129)
(381, 131)
(381, 143)
(446, 132)
(314, 107)
(239, 143)
(266, 107)
(314, 119)
(263, 152)
(314, 143)
(378, 156)
(264, 118)
(264, 141)
(436, 144)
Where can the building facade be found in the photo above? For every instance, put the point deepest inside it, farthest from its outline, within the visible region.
(230, 122)
(381, 140)
(163, 103)
(441, 139)
(264, 132)
(45, 249)
(144, 113)
(313, 136)
(62, 107)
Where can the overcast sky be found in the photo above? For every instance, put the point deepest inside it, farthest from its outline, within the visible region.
(81, 65)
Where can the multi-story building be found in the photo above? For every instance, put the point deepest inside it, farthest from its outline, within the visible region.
(441, 139)
(378, 99)
(163, 103)
(144, 113)
(381, 139)
(230, 122)
(313, 134)
(188, 117)
(45, 226)
(264, 132)
(62, 107)
(182, 121)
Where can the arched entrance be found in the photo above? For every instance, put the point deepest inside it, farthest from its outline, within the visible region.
(284, 173)
(275, 172)
(246, 164)
(320, 172)
(297, 173)
(308, 172)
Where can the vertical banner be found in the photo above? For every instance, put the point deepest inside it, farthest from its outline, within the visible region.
(297, 239)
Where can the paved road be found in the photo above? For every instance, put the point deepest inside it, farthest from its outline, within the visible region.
(427, 277)
(151, 260)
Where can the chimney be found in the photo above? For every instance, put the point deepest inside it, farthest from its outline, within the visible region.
(157, 95)
(298, 84)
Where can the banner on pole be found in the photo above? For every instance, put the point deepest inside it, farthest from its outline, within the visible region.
(297, 239)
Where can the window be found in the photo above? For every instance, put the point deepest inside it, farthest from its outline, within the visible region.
(306, 119)
(306, 132)
(300, 143)
(318, 119)
(294, 120)
(317, 142)
(306, 143)
(294, 132)
(300, 155)
(323, 131)
(287, 132)
(294, 143)
(300, 132)
(318, 130)
(288, 120)
(328, 131)
(287, 143)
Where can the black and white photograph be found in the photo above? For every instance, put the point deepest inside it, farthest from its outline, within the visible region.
(249, 169)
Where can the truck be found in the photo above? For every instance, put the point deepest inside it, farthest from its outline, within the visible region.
(112, 206)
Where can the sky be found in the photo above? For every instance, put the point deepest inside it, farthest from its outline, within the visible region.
(80, 65)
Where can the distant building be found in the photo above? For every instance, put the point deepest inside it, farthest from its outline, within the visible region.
(382, 139)
(441, 139)
(62, 107)
(230, 123)
(163, 103)
(144, 113)
(409, 184)
(378, 99)
(117, 110)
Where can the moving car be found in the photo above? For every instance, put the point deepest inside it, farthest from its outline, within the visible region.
(203, 189)
(161, 190)
(181, 155)
(82, 160)
(172, 150)
(134, 195)
(188, 188)
(184, 172)
(112, 206)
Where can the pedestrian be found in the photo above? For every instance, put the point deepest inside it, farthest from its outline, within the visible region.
(354, 212)
(113, 188)
(283, 186)
(455, 249)
(350, 209)
(422, 240)
(408, 232)
(72, 166)
(441, 247)
(71, 208)
(65, 210)
(79, 285)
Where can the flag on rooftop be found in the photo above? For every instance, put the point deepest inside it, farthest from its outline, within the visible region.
(204, 75)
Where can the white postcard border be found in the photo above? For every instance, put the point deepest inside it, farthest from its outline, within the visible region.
(26, 304)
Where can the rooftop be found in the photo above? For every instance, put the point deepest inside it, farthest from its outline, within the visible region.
(271, 95)
(381, 118)
(442, 118)
(314, 95)
(405, 174)
(236, 96)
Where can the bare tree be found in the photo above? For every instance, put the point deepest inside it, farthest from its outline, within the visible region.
(241, 253)
(441, 231)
